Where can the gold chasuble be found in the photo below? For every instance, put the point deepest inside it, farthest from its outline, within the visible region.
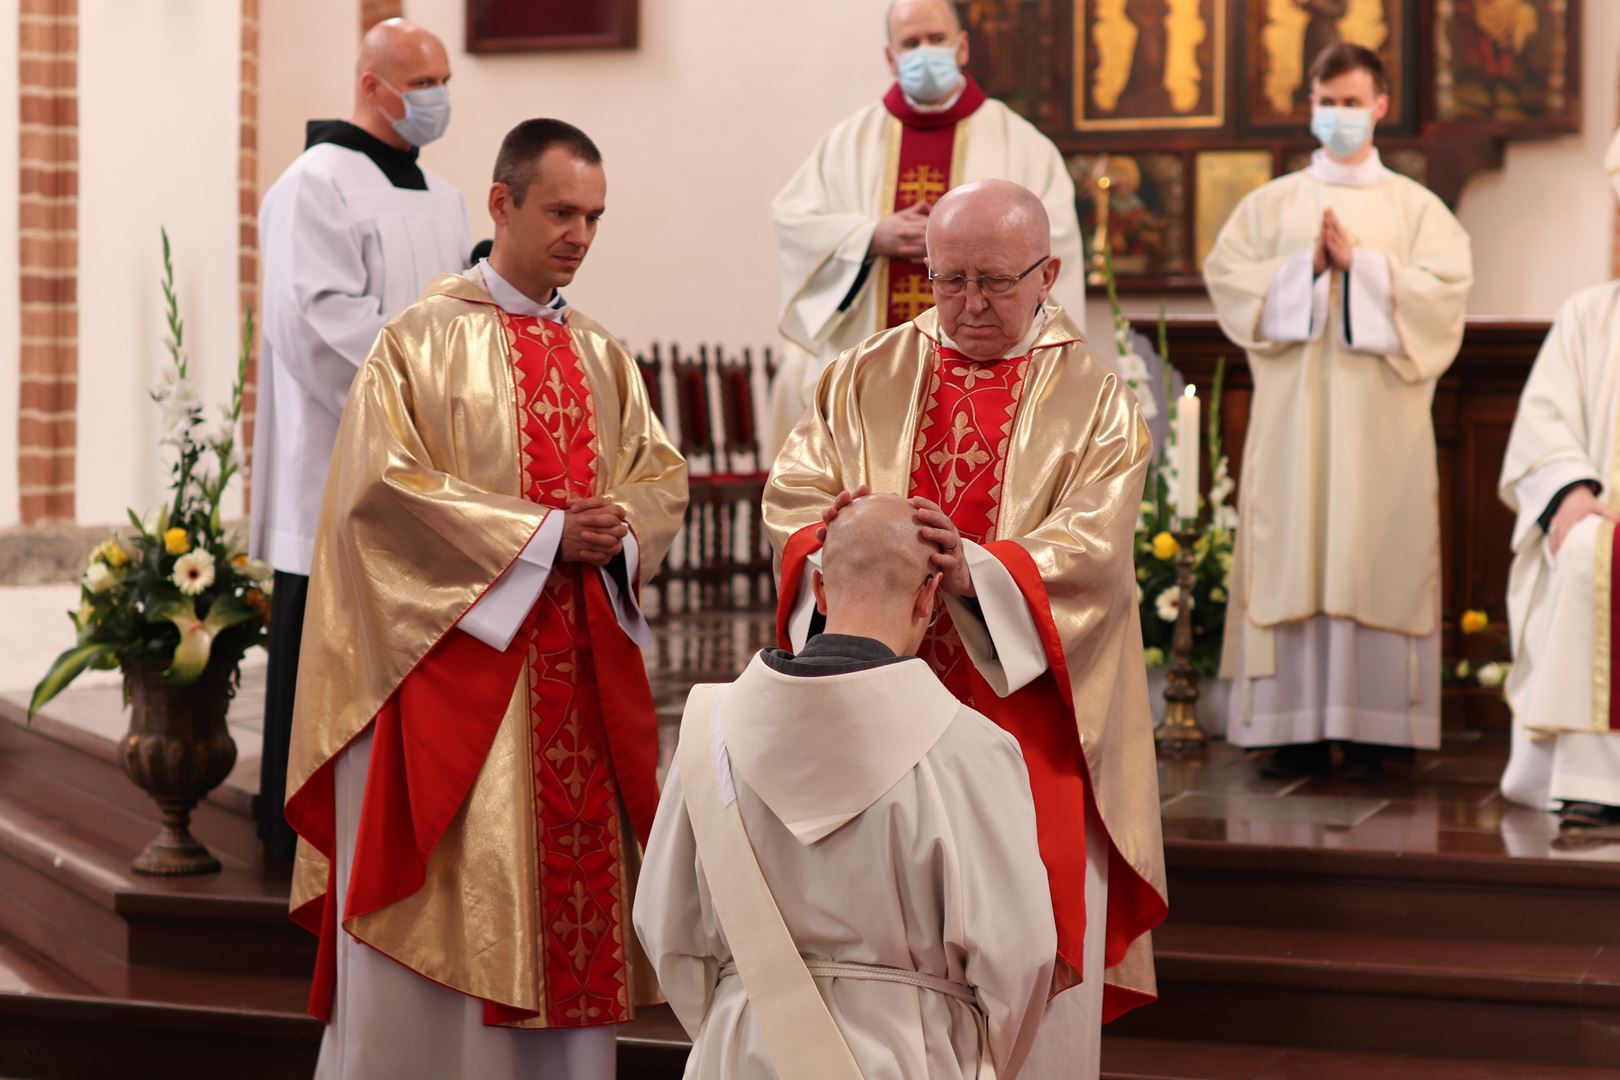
(507, 791)
(1041, 459)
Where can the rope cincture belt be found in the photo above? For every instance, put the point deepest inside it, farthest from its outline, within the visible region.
(834, 969)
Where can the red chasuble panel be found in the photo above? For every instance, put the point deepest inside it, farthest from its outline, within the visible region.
(924, 173)
(960, 453)
(583, 907)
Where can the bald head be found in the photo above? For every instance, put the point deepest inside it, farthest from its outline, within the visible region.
(902, 15)
(995, 234)
(873, 555)
(395, 58)
(1001, 212)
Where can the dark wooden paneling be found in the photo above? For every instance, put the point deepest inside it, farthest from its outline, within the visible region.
(1474, 405)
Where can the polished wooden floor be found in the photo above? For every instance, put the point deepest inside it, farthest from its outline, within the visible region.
(1413, 927)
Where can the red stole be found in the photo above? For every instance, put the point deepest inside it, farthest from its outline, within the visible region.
(960, 453)
(594, 736)
(923, 168)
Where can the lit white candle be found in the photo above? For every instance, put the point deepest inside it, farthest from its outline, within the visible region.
(1186, 493)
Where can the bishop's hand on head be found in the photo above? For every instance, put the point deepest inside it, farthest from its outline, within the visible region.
(843, 500)
(935, 527)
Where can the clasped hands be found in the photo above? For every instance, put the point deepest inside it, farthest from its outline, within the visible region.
(902, 234)
(1333, 245)
(593, 530)
(932, 526)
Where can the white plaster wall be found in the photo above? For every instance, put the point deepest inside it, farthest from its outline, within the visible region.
(9, 328)
(158, 131)
(724, 98)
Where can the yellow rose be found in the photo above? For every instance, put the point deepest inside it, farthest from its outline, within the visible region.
(1474, 621)
(176, 542)
(1165, 547)
(111, 553)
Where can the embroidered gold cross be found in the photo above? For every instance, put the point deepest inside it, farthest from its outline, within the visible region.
(971, 374)
(573, 761)
(947, 458)
(547, 408)
(912, 297)
(921, 184)
(578, 927)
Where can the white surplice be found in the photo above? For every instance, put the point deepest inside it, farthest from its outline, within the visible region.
(827, 212)
(895, 828)
(344, 251)
(1320, 642)
(1564, 433)
(386, 1019)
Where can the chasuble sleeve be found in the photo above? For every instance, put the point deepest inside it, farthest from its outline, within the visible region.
(1548, 447)
(1429, 288)
(411, 535)
(822, 245)
(1241, 272)
(648, 474)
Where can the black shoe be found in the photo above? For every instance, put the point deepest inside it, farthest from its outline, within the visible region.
(1298, 760)
(1363, 764)
(1587, 815)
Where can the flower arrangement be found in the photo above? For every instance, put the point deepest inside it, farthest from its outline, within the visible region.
(1491, 673)
(179, 585)
(1157, 589)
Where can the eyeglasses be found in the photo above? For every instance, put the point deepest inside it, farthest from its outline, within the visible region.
(989, 285)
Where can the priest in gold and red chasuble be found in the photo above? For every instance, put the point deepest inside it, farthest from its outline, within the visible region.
(849, 223)
(474, 742)
(1025, 459)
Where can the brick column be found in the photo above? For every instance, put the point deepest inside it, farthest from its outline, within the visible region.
(48, 255)
(247, 186)
(373, 12)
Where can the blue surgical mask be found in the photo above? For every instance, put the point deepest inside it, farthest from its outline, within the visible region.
(929, 72)
(427, 113)
(1342, 129)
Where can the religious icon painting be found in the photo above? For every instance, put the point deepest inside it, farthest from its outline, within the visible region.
(1011, 55)
(1140, 213)
(1224, 177)
(1149, 65)
(536, 25)
(1509, 63)
(1286, 36)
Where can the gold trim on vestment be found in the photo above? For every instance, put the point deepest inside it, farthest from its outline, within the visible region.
(891, 182)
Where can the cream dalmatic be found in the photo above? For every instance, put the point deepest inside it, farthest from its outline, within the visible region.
(1332, 632)
(896, 831)
(1564, 748)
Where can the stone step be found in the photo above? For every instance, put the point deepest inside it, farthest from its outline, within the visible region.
(70, 823)
(1534, 1003)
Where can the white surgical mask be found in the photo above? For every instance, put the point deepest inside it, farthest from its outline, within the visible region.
(1343, 129)
(929, 72)
(427, 113)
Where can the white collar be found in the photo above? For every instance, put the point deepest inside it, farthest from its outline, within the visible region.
(1366, 174)
(938, 106)
(514, 302)
(1037, 327)
(819, 751)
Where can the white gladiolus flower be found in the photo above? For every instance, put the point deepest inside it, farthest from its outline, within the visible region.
(1168, 604)
(1491, 675)
(1150, 406)
(194, 572)
(98, 578)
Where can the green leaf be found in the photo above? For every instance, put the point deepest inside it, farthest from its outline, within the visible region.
(69, 666)
(197, 635)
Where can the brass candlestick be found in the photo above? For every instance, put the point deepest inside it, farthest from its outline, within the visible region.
(1180, 735)
(1098, 274)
